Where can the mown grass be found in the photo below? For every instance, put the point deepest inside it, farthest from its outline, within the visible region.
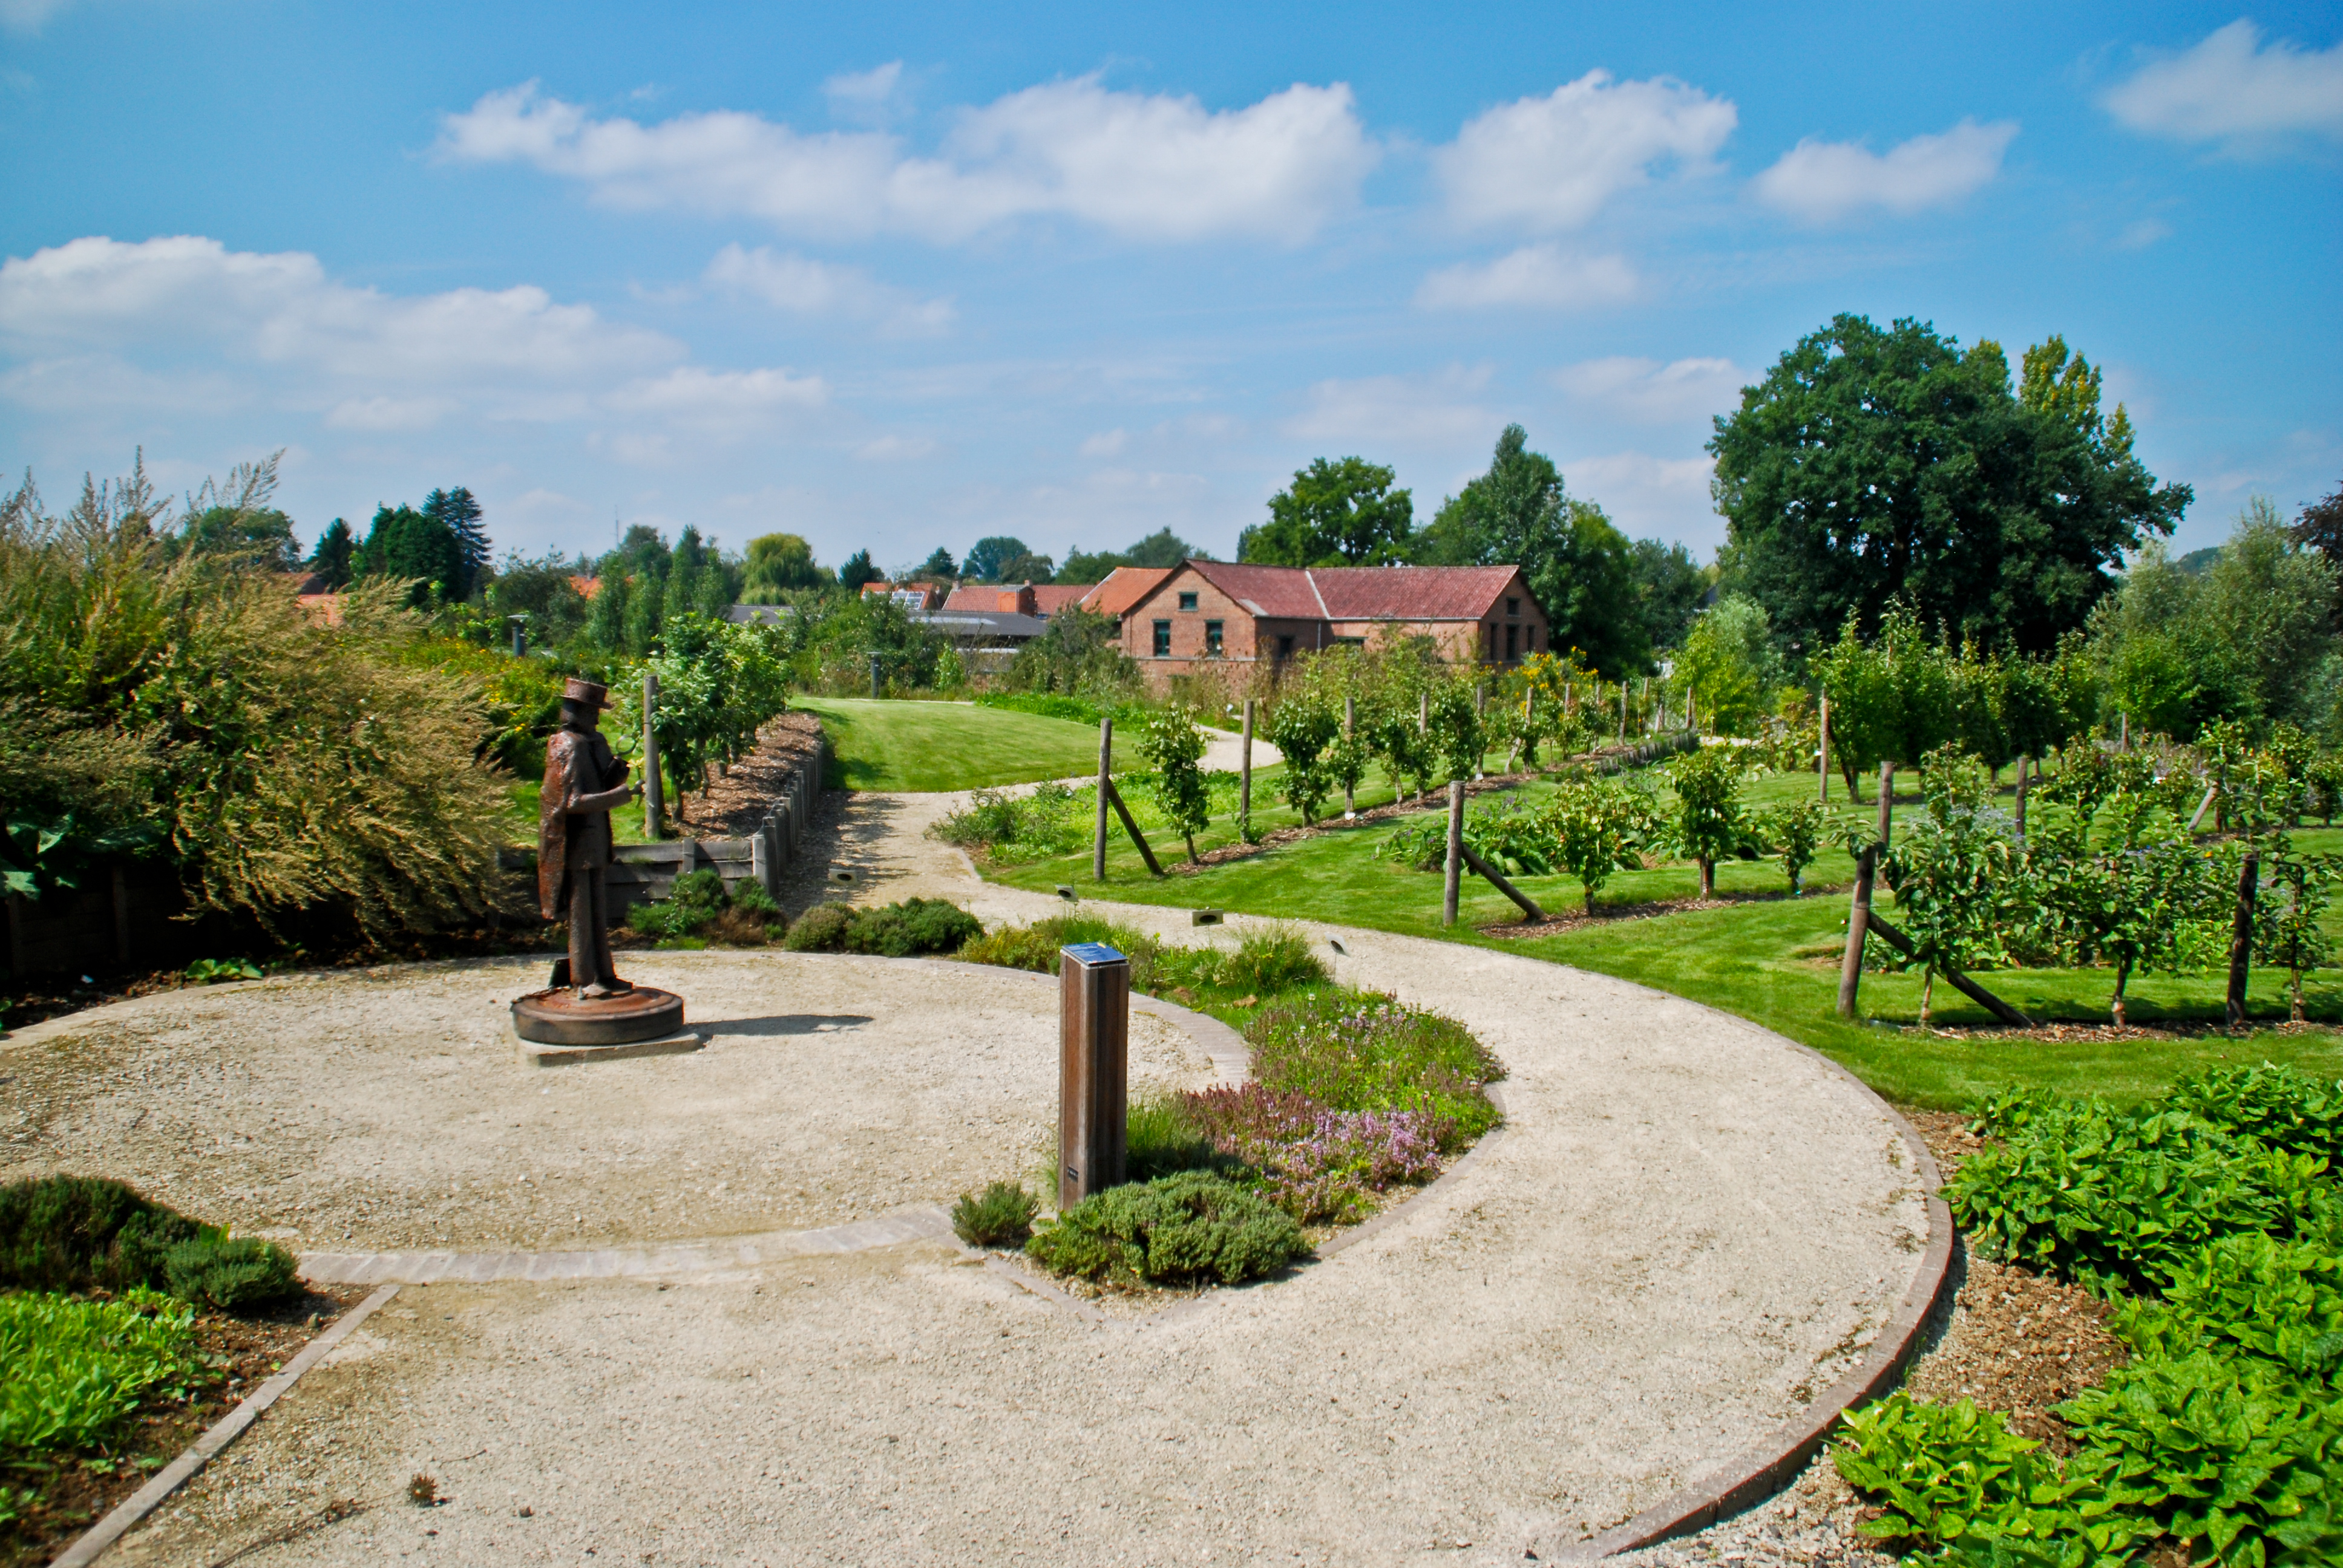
(925, 747)
(1769, 959)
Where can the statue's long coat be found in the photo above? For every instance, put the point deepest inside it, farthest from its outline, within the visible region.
(574, 764)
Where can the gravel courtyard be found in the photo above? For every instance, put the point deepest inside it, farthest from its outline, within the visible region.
(1687, 1229)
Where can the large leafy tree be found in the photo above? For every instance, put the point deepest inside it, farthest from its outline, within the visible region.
(1339, 514)
(1670, 587)
(780, 564)
(989, 558)
(856, 571)
(460, 512)
(1580, 568)
(1876, 464)
(1160, 548)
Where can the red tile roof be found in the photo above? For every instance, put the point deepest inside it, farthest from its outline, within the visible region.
(1124, 586)
(1049, 599)
(1360, 593)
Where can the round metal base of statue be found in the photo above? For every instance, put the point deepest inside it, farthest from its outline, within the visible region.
(557, 1027)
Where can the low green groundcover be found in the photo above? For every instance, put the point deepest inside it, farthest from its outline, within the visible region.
(2215, 1218)
(1175, 1230)
(71, 1371)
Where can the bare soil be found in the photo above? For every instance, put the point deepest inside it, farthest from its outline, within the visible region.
(733, 805)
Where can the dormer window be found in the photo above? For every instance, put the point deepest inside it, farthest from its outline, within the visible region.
(1187, 602)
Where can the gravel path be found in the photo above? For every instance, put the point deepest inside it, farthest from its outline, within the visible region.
(1689, 1227)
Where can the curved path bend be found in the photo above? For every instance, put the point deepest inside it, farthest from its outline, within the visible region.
(1690, 1229)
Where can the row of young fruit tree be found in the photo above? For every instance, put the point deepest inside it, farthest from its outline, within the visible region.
(2140, 855)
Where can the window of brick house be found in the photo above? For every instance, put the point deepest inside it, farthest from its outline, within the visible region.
(1513, 643)
(1212, 638)
(1513, 607)
(1162, 639)
(1187, 602)
(1284, 647)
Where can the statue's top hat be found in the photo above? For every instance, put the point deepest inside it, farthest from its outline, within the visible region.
(586, 692)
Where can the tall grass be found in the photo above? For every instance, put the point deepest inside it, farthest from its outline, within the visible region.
(284, 764)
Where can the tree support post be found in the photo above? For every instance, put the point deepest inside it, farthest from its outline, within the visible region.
(1244, 777)
(1622, 713)
(1961, 982)
(1131, 827)
(1496, 879)
(1886, 800)
(1350, 724)
(1105, 790)
(1822, 757)
(1858, 923)
(1455, 877)
(2241, 936)
(2021, 797)
(653, 794)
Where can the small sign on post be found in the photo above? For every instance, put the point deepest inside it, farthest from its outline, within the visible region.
(1093, 1069)
(653, 805)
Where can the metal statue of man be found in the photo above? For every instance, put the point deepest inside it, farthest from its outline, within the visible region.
(583, 780)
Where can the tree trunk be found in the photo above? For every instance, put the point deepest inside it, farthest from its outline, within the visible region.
(1928, 992)
(1590, 903)
(2241, 939)
(1707, 878)
(1192, 849)
(2123, 974)
(2295, 978)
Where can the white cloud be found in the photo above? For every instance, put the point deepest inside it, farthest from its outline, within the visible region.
(26, 16)
(866, 97)
(1106, 444)
(1551, 163)
(808, 288)
(389, 413)
(1145, 167)
(718, 401)
(1651, 393)
(2231, 90)
(1820, 181)
(897, 449)
(1648, 497)
(1404, 411)
(187, 292)
(2141, 233)
(1536, 275)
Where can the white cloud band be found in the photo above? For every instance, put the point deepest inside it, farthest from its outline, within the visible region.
(1822, 181)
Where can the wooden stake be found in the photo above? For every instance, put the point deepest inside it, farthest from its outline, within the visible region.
(1886, 800)
(1967, 987)
(1350, 724)
(1496, 879)
(1244, 777)
(1132, 827)
(653, 795)
(1455, 852)
(2241, 936)
(1822, 755)
(2021, 799)
(1105, 792)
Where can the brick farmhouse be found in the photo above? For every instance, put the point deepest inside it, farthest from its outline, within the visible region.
(1209, 612)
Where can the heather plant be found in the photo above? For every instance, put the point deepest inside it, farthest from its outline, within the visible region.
(1320, 1165)
(1361, 1050)
(1002, 1216)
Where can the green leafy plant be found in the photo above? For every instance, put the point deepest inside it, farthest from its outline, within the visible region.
(72, 1370)
(1361, 1050)
(1599, 827)
(1187, 1227)
(1002, 1217)
(217, 971)
(1794, 832)
(81, 1232)
(1708, 812)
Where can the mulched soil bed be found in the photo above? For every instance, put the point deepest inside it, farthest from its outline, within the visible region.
(1605, 914)
(733, 806)
(74, 1495)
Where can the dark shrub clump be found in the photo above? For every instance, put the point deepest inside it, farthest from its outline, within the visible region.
(698, 906)
(66, 1234)
(914, 926)
(1002, 1217)
(1189, 1227)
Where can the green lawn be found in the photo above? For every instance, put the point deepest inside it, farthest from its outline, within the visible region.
(939, 746)
(1772, 959)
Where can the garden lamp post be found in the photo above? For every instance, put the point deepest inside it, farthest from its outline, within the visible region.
(875, 657)
(519, 634)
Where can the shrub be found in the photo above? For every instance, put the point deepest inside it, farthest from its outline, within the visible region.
(699, 905)
(914, 926)
(71, 1371)
(1014, 827)
(1317, 1164)
(81, 1232)
(1161, 1137)
(1036, 947)
(1276, 960)
(821, 930)
(230, 1273)
(1002, 1217)
(1192, 1226)
(1361, 1050)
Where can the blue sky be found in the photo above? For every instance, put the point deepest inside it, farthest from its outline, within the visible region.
(896, 277)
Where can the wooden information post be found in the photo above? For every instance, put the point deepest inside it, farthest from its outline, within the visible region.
(1093, 1069)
